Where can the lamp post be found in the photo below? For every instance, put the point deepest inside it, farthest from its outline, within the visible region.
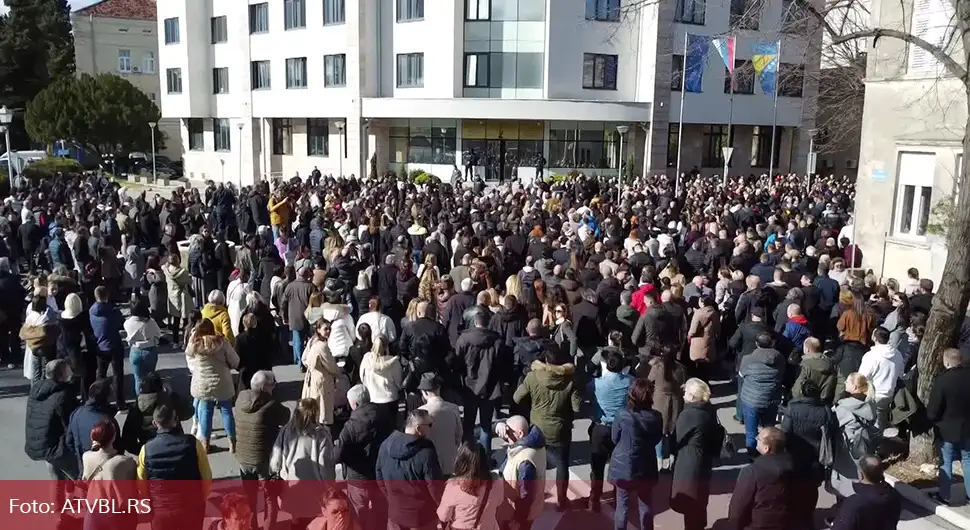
(6, 116)
(340, 148)
(240, 127)
(153, 125)
(622, 129)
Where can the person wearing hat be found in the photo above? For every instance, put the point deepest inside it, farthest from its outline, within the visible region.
(446, 430)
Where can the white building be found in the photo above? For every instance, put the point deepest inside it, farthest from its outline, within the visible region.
(278, 88)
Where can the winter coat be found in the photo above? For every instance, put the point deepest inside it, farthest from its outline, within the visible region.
(424, 343)
(704, 329)
(857, 420)
(481, 353)
(342, 330)
(526, 351)
(157, 292)
(106, 322)
(303, 460)
(49, 408)
(802, 422)
(509, 324)
(634, 434)
(139, 429)
(83, 420)
(219, 316)
(76, 337)
(856, 327)
(446, 431)
(847, 360)
(259, 418)
(668, 397)
(871, 507)
(383, 376)
(820, 370)
(320, 379)
(554, 396)
(763, 373)
(796, 331)
(360, 441)
(454, 314)
(696, 442)
(410, 479)
(764, 495)
(949, 405)
(589, 324)
(295, 299)
(177, 283)
(210, 361)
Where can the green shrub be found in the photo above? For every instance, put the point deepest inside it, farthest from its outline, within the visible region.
(415, 173)
(51, 166)
(426, 178)
(558, 178)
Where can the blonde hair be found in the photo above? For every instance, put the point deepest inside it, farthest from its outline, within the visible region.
(412, 311)
(696, 391)
(380, 346)
(513, 286)
(305, 416)
(860, 384)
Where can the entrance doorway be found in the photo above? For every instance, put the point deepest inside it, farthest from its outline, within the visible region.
(501, 147)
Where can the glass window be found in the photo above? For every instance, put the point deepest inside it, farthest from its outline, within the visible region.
(221, 132)
(334, 12)
(677, 73)
(715, 138)
(745, 14)
(282, 136)
(690, 11)
(914, 212)
(476, 70)
(505, 10)
(604, 10)
(585, 145)
(791, 78)
(410, 70)
(673, 140)
(173, 80)
(534, 10)
(424, 142)
(599, 71)
(259, 18)
(478, 9)
(148, 63)
(318, 137)
(260, 75)
(743, 78)
(124, 61)
(528, 70)
(408, 10)
(296, 72)
(171, 30)
(196, 130)
(335, 70)
(219, 29)
(220, 80)
(294, 14)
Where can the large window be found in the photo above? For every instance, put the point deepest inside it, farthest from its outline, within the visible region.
(673, 140)
(172, 30)
(334, 12)
(220, 80)
(590, 145)
(606, 10)
(219, 29)
(761, 146)
(282, 136)
(914, 193)
(478, 9)
(173, 80)
(124, 61)
(677, 73)
(599, 71)
(148, 63)
(424, 142)
(715, 139)
(335, 70)
(259, 75)
(196, 130)
(791, 78)
(503, 70)
(408, 10)
(296, 72)
(743, 77)
(410, 70)
(476, 70)
(317, 137)
(932, 22)
(690, 11)
(294, 14)
(221, 131)
(258, 18)
(745, 14)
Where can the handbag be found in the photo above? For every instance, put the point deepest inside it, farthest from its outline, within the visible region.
(728, 450)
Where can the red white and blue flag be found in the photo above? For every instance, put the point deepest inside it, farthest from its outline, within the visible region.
(725, 47)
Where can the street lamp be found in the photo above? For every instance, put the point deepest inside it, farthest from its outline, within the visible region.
(340, 148)
(622, 129)
(240, 127)
(153, 125)
(6, 116)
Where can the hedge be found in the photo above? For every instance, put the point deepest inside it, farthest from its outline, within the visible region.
(51, 166)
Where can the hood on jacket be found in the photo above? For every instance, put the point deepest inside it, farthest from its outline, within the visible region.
(553, 376)
(154, 276)
(252, 401)
(862, 409)
(334, 311)
(403, 446)
(381, 364)
(884, 351)
(46, 389)
(799, 319)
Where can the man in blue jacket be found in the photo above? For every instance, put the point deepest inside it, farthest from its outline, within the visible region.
(409, 475)
(106, 321)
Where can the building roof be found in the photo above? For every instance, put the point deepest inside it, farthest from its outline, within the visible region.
(131, 9)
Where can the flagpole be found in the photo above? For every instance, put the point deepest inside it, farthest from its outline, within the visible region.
(730, 142)
(774, 116)
(680, 125)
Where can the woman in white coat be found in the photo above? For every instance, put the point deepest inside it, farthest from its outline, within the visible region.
(236, 300)
(341, 324)
(178, 284)
(303, 457)
(383, 376)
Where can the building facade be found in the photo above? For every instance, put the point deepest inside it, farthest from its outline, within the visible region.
(267, 89)
(120, 37)
(912, 131)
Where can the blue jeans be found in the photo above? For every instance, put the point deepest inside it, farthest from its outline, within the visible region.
(142, 363)
(755, 417)
(203, 414)
(950, 451)
(297, 337)
(641, 490)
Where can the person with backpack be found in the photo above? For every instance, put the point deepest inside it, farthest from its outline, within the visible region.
(857, 423)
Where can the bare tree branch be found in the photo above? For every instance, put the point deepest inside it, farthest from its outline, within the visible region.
(940, 55)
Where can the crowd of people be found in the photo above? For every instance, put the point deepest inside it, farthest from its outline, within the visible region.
(429, 320)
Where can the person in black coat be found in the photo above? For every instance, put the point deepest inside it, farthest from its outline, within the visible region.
(949, 409)
(454, 317)
(357, 449)
(875, 505)
(763, 496)
(424, 343)
(696, 442)
(50, 404)
(847, 360)
(590, 323)
(479, 352)
(510, 321)
(409, 475)
(12, 296)
(803, 420)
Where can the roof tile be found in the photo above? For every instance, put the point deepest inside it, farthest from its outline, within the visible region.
(131, 9)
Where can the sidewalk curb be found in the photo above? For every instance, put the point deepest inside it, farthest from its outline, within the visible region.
(920, 499)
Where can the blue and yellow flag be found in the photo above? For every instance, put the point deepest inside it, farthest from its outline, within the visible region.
(765, 61)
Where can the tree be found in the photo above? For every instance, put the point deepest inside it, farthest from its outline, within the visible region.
(102, 113)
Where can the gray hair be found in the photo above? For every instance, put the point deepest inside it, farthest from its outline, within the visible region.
(217, 297)
(358, 395)
(55, 369)
(696, 391)
(253, 298)
(263, 381)
(195, 242)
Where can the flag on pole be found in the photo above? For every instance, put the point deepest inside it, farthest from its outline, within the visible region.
(765, 62)
(695, 59)
(725, 47)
